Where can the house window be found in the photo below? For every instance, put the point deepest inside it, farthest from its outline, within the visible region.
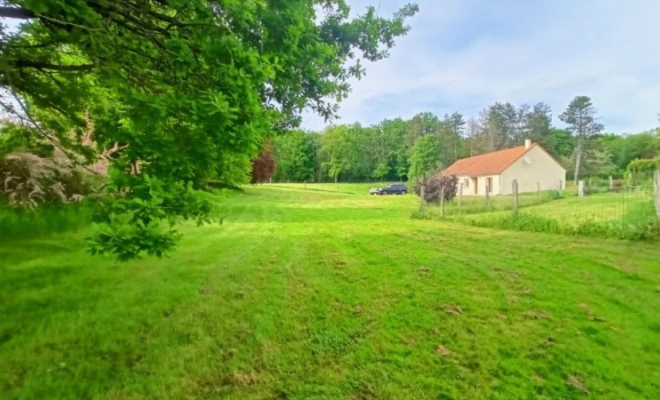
(489, 184)
(466, 182)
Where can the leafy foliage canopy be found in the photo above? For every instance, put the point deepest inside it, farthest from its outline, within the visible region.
(188, 88)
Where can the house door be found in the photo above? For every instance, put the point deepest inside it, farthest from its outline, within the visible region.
(474, 183)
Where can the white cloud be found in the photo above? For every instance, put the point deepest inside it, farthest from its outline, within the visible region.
(466, 55)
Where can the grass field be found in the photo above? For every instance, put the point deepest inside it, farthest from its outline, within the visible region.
(348, 188)
(626, 215)
(304, 294)
(602, 207)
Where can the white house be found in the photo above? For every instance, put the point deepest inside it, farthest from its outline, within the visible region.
(530, 165)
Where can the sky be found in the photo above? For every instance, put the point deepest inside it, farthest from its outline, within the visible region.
(464, 55)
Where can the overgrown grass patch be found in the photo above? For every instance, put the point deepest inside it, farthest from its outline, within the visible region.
(42, 221)
(615, 215)
(480, 204)
(629, 229)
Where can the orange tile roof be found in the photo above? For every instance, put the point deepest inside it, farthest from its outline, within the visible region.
(487, 164)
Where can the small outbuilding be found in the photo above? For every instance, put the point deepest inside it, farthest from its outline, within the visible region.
(531, 165)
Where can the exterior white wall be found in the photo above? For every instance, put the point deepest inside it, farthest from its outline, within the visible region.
(483, 185)
(468, 185)
(542, 169)
(468, 188)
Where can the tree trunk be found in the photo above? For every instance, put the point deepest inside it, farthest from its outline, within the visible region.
(578, 160)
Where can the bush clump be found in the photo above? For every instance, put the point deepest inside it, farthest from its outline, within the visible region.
(29, 179)
(433, 187)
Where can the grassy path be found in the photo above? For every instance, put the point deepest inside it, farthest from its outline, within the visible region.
(320, 295)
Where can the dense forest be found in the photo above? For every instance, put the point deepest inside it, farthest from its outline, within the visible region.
(386, 151)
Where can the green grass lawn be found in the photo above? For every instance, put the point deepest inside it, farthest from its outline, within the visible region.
(320, 295)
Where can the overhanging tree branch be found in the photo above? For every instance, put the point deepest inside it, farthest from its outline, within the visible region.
(53, 67)
(16, 13)
(53, 140)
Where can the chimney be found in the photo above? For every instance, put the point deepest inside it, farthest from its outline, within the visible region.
(528, 144)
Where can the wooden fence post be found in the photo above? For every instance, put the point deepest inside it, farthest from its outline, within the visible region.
(581, 188)
(657, 193)
(611, 183)
(514, 190)
(442, 201)
(538, 190)
(488, 195)
(421, 197)
(560, 188)
(460, 194)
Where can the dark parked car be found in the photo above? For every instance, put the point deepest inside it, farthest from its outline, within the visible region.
(395, 188)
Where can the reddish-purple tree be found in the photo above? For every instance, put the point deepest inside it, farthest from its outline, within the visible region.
(263, 167)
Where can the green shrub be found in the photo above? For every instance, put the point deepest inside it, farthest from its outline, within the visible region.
(550, 195)
(596, 189)
(644, 165)
(653, 231)
(434, 185)
(596, 182)
(420, 214)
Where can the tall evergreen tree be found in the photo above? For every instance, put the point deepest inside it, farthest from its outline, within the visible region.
(454, 127)
(580, 116)
(538, 122)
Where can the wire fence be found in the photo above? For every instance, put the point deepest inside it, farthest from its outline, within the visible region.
(603, 208)
(626, 212)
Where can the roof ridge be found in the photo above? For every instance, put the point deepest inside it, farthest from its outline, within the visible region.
(498, 151)
(491, 163)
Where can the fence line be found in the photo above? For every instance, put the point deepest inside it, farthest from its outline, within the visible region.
(656, 184)
(603, 210)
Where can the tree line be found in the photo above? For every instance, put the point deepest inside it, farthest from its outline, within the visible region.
(404, 150)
